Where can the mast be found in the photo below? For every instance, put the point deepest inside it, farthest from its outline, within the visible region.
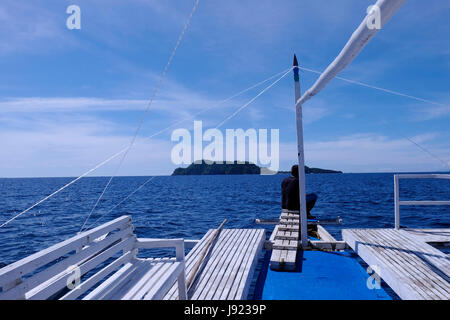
(301, 157)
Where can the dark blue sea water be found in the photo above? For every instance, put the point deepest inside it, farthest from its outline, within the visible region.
(187, 206)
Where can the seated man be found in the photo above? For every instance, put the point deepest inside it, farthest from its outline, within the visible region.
(290, 198)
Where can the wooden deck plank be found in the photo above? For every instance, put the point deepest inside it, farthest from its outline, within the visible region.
(234, 247)
(429, 235)
(217, 265)
(231, 271)
(429, 279)
(285, 242)
(407, 259)
(229, 280)
(410, 266)
(190, 260)
(372, 257)
(247, 267)
(397, 261)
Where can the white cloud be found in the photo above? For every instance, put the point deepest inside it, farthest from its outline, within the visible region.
(369, 153)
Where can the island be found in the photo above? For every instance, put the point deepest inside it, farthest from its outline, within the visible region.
(233, 168)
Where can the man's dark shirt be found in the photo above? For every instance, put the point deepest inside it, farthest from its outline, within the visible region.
(290, 198)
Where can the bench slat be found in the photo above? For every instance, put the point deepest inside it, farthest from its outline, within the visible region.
(41, 258)
(89, 283)
(76, 259)
(52, 286)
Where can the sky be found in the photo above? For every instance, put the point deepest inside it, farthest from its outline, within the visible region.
(70, 99)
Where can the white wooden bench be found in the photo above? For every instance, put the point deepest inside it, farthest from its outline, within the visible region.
(97, 264)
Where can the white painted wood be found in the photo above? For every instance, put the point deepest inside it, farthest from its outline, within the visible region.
(424, 176)
(219, 262)
(74, 260)
(152, 280)
(214, 279)
(411, 267)
(324, 234)
(231, 276)
(53, 285)
(161, 287)
(285, 227)
(29, 264)
(402, 260)
(285, 245)
(106, 286)
(189, 244)
(396, 202)
(221, 270)
(428, 235)
(190, 261)
(89, 283)
(126, 276)
(329, 245)
(425, 275)
(301, 157)
(424, 203)
(193, 276)
(178, 244)
(391, 276)
(249, 267)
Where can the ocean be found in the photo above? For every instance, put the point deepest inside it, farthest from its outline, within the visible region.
(187, 206)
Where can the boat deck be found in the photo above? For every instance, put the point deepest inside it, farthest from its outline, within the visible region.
(319, 275)
(229, 266)
(405, 259)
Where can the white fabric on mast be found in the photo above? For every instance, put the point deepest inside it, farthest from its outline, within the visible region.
(355, 44)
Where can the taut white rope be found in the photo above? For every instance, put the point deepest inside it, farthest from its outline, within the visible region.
(226, 119)
(253, 99)
(101, 164)
(378, 88)
(155, 91)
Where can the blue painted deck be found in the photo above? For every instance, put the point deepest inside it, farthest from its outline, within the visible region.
(320, 276)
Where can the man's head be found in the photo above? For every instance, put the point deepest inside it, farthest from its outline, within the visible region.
(294, 170)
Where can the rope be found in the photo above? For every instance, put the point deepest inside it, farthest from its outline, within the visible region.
(284, 73)
(125, 199)
(253, 99)
(445, 164)
(378, 88)
(155, 91)
(216, 105)
(145, 139)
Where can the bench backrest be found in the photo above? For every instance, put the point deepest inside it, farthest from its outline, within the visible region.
(51, 271)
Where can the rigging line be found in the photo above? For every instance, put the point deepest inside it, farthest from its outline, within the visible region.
(125, 199)
(62, 188)
(193, 116)
(378, 88)
(155, 91)
(384, 121)
(217, 104)
(101, 164)
(445, 164)
(253, 99)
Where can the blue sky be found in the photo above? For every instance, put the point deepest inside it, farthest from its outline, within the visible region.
(71, 98)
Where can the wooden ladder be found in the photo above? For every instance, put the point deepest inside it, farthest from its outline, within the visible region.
(285, 242)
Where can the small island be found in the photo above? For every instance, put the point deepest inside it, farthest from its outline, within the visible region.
(233, 168)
